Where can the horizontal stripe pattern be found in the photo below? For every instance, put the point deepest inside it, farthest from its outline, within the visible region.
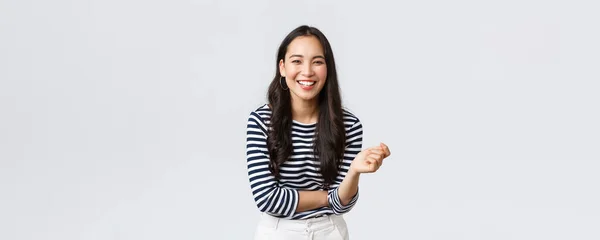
(300, 172)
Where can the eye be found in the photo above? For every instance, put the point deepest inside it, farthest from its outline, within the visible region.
(296, 61)
(319, 62)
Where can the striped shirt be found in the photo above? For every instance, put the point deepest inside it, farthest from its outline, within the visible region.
(279, 198)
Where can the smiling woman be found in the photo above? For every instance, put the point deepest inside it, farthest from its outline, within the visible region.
(306, 72)
(303, 149)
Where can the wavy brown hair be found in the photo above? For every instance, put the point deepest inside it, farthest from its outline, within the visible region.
(330, 133)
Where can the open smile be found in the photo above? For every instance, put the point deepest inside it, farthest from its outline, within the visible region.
(306, 84)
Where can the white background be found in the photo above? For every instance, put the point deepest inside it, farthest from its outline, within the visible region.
(126, 119)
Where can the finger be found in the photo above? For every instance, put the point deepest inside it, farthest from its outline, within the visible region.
(386, 149)
(372, 165)
(377, 150)
(378, 147)
(379, 156)
(375, 159)
(380, 159)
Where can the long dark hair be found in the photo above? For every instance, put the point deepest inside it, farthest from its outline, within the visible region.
(330, 133)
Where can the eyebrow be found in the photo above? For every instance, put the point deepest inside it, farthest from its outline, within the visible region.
(299, 55)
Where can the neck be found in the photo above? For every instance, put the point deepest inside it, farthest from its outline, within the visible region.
(305, 111)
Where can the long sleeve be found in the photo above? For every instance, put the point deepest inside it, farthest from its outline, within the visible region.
(268, 195)
(353, 147)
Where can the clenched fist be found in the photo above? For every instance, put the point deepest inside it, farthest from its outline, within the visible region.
(369, 160)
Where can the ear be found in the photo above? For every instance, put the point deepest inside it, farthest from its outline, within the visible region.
(281, 68)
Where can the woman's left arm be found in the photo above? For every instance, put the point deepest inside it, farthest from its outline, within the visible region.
(343, 197)
(348, 188)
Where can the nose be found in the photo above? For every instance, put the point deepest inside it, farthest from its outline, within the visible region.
(307, 70)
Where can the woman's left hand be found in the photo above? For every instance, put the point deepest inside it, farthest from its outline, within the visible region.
(370, 159)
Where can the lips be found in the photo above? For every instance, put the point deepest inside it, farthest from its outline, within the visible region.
(306, 84)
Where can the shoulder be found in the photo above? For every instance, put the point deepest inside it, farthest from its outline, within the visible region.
(260, 117)
(350, 118)
(263, 112)
(353, 127)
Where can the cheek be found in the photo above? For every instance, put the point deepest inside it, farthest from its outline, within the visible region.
(321, 72)
(291, 73)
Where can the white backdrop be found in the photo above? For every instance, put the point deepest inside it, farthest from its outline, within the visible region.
(126, 119)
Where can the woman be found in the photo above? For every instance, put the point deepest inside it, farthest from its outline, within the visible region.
(303, 149)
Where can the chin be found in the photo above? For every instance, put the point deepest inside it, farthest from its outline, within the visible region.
(307, 97)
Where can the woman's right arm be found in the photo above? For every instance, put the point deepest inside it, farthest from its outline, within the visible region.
(268, 196)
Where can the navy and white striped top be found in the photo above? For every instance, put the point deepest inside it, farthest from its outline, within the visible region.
(279, 198)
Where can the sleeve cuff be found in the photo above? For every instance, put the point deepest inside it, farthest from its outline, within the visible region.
(335, 203)
(294, 199)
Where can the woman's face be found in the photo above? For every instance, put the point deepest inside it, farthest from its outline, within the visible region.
(304, 68)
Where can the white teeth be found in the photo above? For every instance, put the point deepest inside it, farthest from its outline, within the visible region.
(307, 83)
